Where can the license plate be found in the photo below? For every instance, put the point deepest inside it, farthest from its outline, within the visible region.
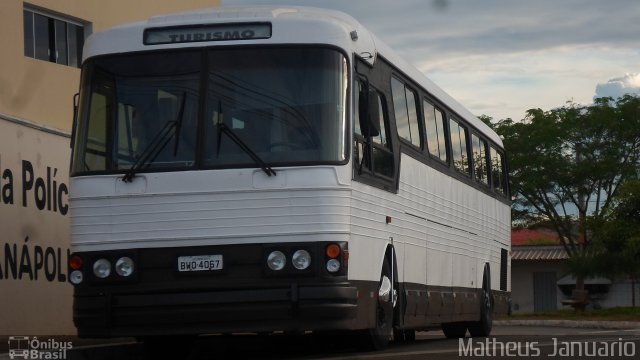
(200, 263)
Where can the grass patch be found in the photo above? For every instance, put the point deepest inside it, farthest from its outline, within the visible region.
(613, 314)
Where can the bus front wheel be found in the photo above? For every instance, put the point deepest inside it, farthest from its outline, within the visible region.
(378, 337)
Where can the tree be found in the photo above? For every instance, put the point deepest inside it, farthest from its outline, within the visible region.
(617, 241)
(567, 164)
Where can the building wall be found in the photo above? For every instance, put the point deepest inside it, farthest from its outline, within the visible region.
(619, 295)
(522, 292)
(35, 121)
(522, 283)
(42, 92)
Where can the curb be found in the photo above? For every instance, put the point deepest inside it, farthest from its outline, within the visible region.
(588, 324)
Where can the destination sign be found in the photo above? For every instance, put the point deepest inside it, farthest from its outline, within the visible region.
(201, 33)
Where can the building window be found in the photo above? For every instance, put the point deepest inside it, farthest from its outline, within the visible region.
(51, 38)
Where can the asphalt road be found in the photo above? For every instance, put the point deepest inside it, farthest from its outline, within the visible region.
(506, 342)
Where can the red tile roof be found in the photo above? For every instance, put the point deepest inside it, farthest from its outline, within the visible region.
(524, 237)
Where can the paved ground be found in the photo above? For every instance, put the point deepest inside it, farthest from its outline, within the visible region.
(508, 341)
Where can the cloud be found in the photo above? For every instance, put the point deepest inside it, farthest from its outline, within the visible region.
(615, 88)
(422, 28)
(503, 57)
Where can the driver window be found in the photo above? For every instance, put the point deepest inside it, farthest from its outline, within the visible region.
(372, 153)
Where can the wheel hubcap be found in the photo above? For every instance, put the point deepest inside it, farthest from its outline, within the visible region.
(384, 293)
(487, 301)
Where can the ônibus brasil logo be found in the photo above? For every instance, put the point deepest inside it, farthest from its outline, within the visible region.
(25, 347)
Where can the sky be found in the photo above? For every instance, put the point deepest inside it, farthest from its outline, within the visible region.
(502, 57)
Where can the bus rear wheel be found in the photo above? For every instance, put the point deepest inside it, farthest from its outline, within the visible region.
(454, 330)
(483, 327)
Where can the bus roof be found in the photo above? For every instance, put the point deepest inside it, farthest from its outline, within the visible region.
(289, 25)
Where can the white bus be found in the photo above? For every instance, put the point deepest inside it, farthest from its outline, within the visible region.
(278, 169)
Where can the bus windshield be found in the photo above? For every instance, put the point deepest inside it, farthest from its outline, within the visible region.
(211, 108)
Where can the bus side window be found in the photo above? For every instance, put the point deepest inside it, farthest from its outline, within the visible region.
(498, 177)
(373, 153)
(459, 146)
(480, 159)
(434, 123)
(362, 159)
(382, 153)
(406, 114)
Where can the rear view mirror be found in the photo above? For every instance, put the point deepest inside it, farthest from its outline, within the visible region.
(369, 111)
(75, 119)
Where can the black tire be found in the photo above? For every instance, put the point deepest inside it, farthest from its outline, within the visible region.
(483, 327)
(404, 335)
(167, 347)
(454, 330)
(377, 338)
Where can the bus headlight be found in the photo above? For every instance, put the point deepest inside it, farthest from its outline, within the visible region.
(333, 265)
(301, 259)
(124, 266)
(76, 277)
(276, 260)
(102, 268)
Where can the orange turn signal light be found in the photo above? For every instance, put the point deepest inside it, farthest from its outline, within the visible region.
(333, 251)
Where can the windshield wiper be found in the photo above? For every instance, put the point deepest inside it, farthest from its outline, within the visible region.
(179, 124)
(149, 154)
(224, 129)
(170, 130)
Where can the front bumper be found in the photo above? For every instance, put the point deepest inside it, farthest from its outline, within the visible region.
(245, 297)
(250, 310)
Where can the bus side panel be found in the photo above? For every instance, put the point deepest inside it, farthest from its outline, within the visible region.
(370, 234)
(464, 229)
